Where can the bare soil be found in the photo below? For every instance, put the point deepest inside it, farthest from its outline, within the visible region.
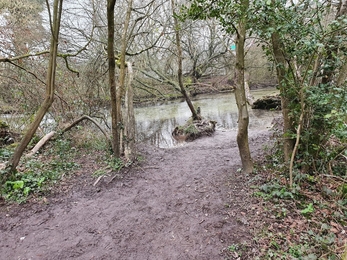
(187, 202)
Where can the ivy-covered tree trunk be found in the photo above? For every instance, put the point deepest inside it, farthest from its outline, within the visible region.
(241, 100)
(50, 88)
(288, 126)
(332, 49)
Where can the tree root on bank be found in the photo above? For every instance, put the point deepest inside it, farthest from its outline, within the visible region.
(50, 135)
(194, 129)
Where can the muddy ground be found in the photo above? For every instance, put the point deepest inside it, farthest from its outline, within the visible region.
(187, 202)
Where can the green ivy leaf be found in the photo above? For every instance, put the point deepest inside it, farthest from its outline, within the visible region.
(26, 191)
(309, 209)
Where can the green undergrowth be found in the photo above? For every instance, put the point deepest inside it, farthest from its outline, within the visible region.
(114, 164)
(305, 222)
(36, 175)
(57, 162)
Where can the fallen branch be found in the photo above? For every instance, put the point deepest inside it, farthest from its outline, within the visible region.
(335, 177)
(49, 136)
(97, 180)
(41, 143)
(90, 119)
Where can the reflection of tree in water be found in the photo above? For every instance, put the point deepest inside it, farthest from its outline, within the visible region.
(225, 120)
(157, 132)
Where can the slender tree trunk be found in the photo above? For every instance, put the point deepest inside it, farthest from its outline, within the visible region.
(342, 75)
(288, 126)
(249, 96)
(112, 79)
(50, 87)
(243, 118)
(195, 115)
(122, 79)
(129, 122)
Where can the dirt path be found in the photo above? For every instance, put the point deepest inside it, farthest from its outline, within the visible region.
(187, 202)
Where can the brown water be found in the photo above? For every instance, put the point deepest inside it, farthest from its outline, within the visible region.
(155, 123)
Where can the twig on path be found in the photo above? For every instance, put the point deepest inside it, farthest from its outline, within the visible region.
(103, 174)
(97, 180)
(151, 167)
(142, 169)
(200, 191)
(116, 176)
(333, 176)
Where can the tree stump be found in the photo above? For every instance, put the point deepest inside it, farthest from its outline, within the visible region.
(268, 102)
(194, 129)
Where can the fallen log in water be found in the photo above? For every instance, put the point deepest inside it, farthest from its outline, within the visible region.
(268, 102)
(194, 129)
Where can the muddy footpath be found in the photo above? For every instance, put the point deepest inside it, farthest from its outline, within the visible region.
(186, 202)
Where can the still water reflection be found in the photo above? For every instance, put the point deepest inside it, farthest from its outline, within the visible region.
(155, 123)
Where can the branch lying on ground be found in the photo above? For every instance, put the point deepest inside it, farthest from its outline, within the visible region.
(49, 136)
(41, 143)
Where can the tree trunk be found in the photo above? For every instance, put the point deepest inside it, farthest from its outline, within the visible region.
(288, 126)
(50, 88)
(122, 79)
(129, 118)
(195, 115)
(243, 118)
(112, 79)
(249, 97)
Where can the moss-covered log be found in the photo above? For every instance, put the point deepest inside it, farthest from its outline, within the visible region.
(194, 129)
(268, 102)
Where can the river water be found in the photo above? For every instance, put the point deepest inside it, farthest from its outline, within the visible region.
(155, 123)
